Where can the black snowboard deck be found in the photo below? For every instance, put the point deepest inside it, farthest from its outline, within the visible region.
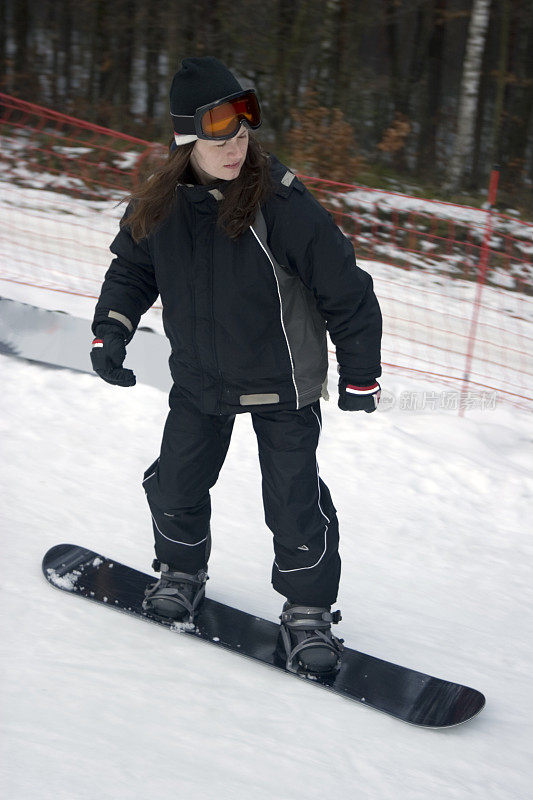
(401, 692)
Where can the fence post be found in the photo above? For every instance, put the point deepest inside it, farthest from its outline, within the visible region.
(482, 269)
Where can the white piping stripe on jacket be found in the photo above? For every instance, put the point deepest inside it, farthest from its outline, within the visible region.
(299, 569)
(152, 473)
(281, 317)
(187, 544)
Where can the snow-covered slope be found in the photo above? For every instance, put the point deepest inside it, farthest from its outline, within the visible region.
(436, 553)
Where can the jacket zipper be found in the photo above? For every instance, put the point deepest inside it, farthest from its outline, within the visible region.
(215, 354)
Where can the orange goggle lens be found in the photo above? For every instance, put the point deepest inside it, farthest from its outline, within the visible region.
(226, 118)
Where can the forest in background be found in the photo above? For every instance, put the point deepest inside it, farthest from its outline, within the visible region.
(361, 92)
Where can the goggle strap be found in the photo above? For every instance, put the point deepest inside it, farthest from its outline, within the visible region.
(186, 124)
(180, 138)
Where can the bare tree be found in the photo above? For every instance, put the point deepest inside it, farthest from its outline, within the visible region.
(477, 32)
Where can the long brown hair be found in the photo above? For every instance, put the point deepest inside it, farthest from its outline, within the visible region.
(155, 197)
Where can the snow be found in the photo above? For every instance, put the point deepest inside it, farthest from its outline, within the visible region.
(436, 552)
(67, 581)
(374, 198)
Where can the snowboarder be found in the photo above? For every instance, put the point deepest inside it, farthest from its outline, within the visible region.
(251, 270)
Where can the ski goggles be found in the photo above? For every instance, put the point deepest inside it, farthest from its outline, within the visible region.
(221, 119)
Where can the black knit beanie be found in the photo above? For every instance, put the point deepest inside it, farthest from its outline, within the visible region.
(198, 82)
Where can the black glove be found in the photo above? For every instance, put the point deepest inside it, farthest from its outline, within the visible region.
(354, 396)
(108, 354)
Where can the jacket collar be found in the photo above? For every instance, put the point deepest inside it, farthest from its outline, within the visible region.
(196, 192)
(284, 181)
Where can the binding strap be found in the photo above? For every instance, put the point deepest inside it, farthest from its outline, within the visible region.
(309, 618)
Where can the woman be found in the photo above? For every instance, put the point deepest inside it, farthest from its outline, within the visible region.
(251, 271)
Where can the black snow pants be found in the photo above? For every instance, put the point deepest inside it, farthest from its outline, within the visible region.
(297, 503)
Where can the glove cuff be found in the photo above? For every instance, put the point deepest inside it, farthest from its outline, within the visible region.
(112, 320)
(101, 329)
(360, 389)
(360, 382)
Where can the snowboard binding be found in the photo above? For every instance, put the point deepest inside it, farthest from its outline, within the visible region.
(176, 595)
(305, 642)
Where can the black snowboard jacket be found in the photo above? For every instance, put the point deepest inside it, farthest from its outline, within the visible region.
(247, 317)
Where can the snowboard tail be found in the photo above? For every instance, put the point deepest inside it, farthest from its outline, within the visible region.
(401, 692)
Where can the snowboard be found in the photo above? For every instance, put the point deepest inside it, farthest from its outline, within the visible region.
(401, 692)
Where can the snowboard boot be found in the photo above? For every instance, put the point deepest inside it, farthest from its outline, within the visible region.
(176, 595)
(305, 642)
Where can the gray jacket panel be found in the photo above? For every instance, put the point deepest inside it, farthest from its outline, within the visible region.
(303, 325)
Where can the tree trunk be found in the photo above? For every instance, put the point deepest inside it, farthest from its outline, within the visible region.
(52, 28)
(501, 80)
(151, 66)
(408, 36)
(475, 46)
(427, 158)
(480, 162)
(285, 13)
(66, 25)
(21, 25)
(339, 56)
(519, 99)
(3, 48)
(125, 33)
